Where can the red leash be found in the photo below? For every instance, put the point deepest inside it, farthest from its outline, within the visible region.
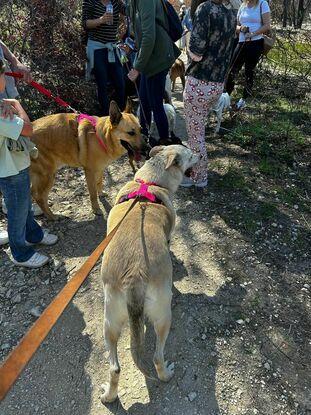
(62, 103)
(42, 90)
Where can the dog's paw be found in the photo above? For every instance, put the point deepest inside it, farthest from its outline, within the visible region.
(108, 396)
(167, 373)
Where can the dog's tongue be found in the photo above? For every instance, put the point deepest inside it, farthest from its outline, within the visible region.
(137, 156)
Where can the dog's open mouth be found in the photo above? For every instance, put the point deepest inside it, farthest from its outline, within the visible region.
(133, 154)
(188, 172)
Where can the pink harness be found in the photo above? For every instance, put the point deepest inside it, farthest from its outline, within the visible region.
(93, 121)
(142, 191)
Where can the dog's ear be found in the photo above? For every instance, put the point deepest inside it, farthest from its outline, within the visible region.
(155, 150)
(114, 113)
(129, 109)
(172, 160)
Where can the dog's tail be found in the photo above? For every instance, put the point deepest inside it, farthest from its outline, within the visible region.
(135, 308)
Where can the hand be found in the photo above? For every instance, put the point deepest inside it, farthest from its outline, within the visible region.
(106, 18)
(194, 57)
(7, 109)
(248, 36)
(24, 70)
(133, 75)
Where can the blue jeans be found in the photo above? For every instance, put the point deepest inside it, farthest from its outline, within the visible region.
(105, 72)
(21, 223)
(151, 91)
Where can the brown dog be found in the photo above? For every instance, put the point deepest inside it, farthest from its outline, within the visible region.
(178, 70)
(63, 142)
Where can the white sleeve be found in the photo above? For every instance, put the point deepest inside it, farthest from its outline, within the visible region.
(11, 128)
(265, 7)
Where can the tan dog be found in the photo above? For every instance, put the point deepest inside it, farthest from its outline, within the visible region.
(62, 142)
(137, 268)
(178, 71)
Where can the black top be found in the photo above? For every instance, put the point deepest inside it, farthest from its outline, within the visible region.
(212, 37)
(93, 9)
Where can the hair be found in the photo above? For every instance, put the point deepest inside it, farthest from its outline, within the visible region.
(2, 67)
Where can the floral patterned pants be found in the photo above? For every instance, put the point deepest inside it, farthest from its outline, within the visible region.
(199, 98)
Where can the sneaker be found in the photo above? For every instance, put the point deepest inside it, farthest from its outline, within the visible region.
(4, 237)
(48, 239)
(37, 211)
(240, 104)
(188, 182)
(36, 261)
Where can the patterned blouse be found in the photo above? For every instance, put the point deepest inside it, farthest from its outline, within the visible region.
(212, 37)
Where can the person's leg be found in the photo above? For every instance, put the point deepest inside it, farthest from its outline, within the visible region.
(101, 77)
(116, 76)
(156, 89)
(252, 56)
(16, 192)
(199, 98)
(145, 109)
(237, 61)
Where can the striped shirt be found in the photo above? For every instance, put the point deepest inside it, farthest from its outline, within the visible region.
(94, 9)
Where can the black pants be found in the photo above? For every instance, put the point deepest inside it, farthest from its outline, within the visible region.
(151, 91)
(248, 54)
(106, 72)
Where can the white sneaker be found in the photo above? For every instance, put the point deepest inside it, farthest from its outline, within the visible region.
(4, 237)
(36, 261)
(37, 211)
(48, 239)
(241, 104)
(187, 182)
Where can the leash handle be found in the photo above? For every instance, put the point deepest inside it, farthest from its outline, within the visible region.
(17, 360)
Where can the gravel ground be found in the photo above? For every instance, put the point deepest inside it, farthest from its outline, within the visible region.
(240, 337)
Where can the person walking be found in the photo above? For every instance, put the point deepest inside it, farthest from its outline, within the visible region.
(101, 19)
(254, 19)
(210, 48)
(156, 54)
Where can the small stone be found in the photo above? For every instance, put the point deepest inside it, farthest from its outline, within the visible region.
(57, 265)
(192, 396)
(17, 299)
(267, 366)
(296, 207)
(5, 346)
(9, 293)
(35, 312)
(203, 337)
(240, 321)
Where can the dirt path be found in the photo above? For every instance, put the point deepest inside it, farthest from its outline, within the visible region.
(241, 305)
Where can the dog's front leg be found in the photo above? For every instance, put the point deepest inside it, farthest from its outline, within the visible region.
(90, 176)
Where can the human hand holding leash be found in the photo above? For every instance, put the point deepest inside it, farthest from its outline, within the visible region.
(133, 75)
(24, 70)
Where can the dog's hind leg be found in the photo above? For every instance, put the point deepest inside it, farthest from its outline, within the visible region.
(92, 187)
(115, 316)
(41, 184)
(159, 312)
(183, 81)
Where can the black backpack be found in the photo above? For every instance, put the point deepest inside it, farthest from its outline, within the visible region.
(175, 29)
